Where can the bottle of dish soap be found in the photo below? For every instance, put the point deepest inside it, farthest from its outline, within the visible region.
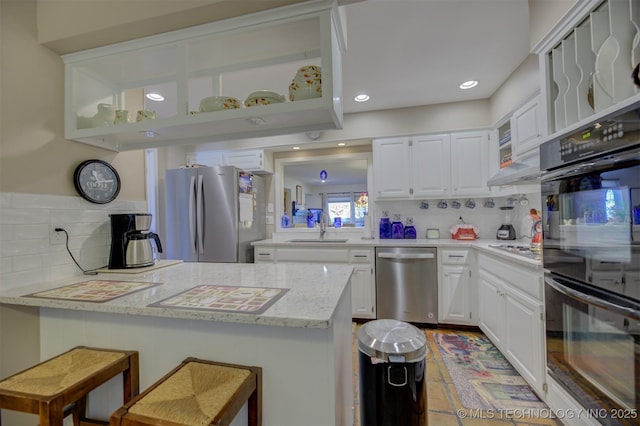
(410, 230)
(385, 226)
(397, 228)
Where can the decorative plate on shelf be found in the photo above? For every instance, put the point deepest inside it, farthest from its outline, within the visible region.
(607, 54)
(97, 181)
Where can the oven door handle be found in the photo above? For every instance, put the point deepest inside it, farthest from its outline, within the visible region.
(591, 300)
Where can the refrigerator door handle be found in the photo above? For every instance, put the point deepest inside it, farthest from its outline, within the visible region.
(192, 214)
(200, 214)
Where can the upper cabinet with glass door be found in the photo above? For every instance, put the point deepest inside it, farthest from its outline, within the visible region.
(264, 74)
(586, 62)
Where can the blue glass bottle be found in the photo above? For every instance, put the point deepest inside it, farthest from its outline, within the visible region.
(311, 220)
(385, 227)
(397, 228)
(410, 230)
(285, 221)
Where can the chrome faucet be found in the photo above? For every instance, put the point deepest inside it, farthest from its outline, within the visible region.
(324, 221)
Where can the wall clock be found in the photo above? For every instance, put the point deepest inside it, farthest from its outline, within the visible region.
(97, 181)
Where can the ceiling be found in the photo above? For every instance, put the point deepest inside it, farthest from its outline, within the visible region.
(406, 53)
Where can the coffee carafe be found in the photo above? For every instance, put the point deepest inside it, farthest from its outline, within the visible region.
(131, 241)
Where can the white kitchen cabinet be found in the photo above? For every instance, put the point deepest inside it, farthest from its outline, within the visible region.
(469, 164)
(491, 306)
(585, 61)
(526, 127)
(250, 160)
(524, 336)
(363, 283)
(511, 315)
(431, 166)
(253, 160)
(430, 160)
(456, 292)
(188, 65)
(363, 291)
(391, 171)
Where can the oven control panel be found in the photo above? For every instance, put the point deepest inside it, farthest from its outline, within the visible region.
(603, 136)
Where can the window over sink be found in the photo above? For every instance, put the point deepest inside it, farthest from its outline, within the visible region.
(342, 190)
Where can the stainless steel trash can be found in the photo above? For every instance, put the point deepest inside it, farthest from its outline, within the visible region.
(392, 374)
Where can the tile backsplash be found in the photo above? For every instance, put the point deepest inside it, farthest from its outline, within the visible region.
(30, 250)
(486, 219)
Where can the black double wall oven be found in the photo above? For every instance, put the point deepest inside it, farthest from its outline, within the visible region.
(590, 190)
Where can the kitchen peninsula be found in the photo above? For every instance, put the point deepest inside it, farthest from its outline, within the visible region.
(301, 338)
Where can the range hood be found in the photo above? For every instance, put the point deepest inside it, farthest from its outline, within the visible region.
(516, 173)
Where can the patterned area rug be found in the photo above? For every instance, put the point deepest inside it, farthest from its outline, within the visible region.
(482, 376)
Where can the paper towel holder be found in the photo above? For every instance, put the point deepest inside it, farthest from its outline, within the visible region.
(368, 234)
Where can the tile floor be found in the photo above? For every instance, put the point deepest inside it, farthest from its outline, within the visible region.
(442, 400)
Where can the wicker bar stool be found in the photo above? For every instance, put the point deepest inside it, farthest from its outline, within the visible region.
(59, 386)
(197, 392)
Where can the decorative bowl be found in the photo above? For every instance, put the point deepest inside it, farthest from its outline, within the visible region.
(308, 71)
(306, 84)
(105, 116)
(218, 103)
(263, 97)
(306, 90)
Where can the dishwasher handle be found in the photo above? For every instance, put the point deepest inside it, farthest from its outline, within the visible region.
(406, 256)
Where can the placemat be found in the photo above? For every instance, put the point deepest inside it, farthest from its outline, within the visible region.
(97, 291)
(250, 300)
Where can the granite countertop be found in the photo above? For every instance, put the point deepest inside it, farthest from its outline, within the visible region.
(314, 291)
(483, 245)
(360, 242)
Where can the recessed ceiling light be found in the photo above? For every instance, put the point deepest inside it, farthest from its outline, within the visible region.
(342, 143)
(155, 97)
(296, 147)
(361, 98)
(468, 84)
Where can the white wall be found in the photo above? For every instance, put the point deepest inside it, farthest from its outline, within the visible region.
(522, 85)
(543, 15)
(27, 253)
(35, 157)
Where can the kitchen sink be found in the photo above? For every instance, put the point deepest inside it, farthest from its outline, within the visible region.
(317, 240)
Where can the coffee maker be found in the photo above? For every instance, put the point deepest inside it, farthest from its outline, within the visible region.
(131, 241)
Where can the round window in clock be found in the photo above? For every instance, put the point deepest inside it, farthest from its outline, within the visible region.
(97, 181)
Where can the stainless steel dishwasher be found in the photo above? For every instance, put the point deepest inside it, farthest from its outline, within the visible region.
(407, 284)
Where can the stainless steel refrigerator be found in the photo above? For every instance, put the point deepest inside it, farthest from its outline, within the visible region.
(213, 214)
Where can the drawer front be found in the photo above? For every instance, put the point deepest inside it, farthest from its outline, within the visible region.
(527, 280)
(264, 254)
(455, 257)
(360, 256)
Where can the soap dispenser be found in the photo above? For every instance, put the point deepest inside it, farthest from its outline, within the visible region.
(410, 230)
(385, 226)
(397, 228)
